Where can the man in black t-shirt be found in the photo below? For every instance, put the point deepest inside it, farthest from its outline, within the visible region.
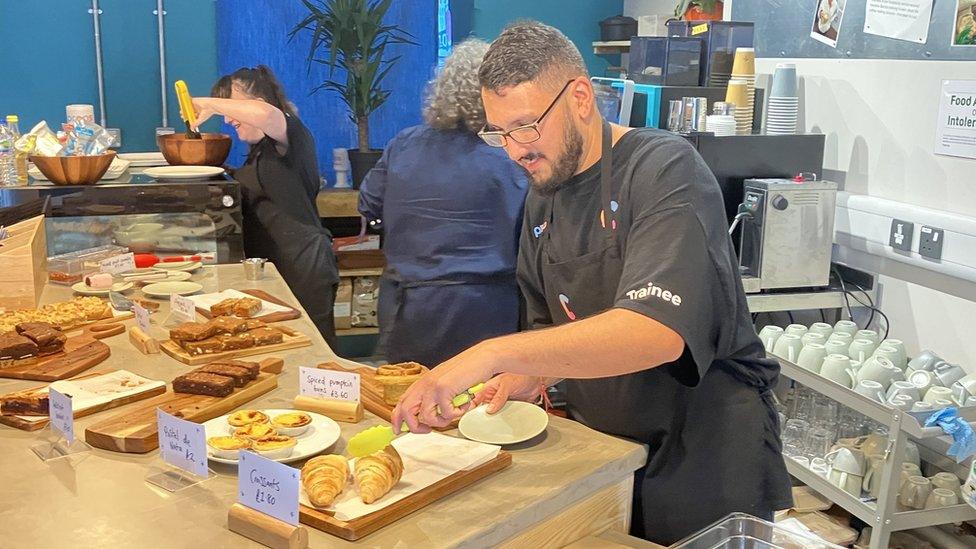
(632, 297)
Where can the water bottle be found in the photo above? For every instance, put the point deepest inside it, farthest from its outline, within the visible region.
(8, 164)
(20, 158)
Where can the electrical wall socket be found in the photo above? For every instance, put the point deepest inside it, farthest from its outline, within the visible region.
(930, 241)
(900, 237)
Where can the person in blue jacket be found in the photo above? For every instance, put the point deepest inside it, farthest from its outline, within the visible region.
(451, 208)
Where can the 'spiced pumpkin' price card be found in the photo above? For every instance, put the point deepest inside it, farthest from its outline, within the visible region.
(268, 487)
(61, 414)
(315, 382)
(182, 443)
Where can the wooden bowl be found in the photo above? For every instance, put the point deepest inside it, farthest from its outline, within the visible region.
(74, 170)
(210, 150)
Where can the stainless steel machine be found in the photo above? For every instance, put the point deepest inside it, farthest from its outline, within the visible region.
(787, 233)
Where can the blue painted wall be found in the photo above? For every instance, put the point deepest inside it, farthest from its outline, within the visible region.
(256, 32)
(54, 63)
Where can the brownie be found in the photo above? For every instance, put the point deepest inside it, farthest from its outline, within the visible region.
(14, 345)
(247, 307)
(266, 336)
(253, 368)
(233, 342)
(253, 324)
(241, 376)
(229, 325)
(25, 326)
(48, 339)
(192, 331)
(25, 405)
(225, 307)
(209, 345)
(199, 383)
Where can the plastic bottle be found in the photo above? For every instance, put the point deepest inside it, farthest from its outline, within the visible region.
(20, 159)
(8, 165)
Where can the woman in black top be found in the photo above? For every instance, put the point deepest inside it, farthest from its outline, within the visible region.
(279, 182)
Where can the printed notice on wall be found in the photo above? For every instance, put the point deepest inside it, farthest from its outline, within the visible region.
(955, 133)
(899, 19)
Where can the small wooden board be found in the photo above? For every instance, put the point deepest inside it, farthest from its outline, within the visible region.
(292, 340)
(80, 353)
(134, 430)
(17, 422)
(279, 316)
(365, 525)
(371, 392)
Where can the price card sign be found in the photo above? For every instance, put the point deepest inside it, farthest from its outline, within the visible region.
(118, 264)
(182, 443)
(314, 382)
(142, 317)
(182, 308)
(61, 414)
(268, 487)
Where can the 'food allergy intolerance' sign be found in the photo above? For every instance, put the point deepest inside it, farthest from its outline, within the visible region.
(956, 126)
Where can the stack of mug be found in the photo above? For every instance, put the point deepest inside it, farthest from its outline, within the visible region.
(742, 89)
(878, 370)
(784, 102)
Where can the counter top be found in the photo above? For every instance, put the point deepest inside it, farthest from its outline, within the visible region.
(101, 499)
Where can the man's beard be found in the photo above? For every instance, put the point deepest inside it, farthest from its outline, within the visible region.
(565, 164)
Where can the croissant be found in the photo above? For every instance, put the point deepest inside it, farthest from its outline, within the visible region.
(378, 473)
(324, 478)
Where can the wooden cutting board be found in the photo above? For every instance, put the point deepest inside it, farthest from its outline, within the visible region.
(292, 339)
(19, 423)
(371, 391)
(80, 353)
(278, 316)
(134, 430)
(365, 525)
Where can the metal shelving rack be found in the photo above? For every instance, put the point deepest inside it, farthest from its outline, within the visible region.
(883, 515)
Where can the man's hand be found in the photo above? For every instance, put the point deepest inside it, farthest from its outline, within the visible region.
(507, 387)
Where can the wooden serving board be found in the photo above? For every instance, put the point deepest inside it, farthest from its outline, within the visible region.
(279, 316)
(367, 524)
(19, 423)
(135, 431)
(79, 354)
(292, 339)
(371, 392)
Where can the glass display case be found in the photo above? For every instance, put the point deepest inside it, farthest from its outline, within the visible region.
(145, 215)
(720, 39)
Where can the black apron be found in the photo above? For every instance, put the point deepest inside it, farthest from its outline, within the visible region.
(704, 442)
(302, 253)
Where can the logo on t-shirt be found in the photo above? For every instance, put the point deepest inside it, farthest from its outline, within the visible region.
(652, 290)
(537, 231)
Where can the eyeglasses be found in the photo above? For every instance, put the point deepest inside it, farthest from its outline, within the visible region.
(522, 134)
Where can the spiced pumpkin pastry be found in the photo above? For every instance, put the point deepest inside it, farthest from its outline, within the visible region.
(275, 446)
(227, 447)
(396, 379)
(241, 418)
(292, 423)
(255, 431)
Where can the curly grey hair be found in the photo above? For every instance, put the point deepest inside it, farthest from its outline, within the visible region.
(529, 51)
(454, 95)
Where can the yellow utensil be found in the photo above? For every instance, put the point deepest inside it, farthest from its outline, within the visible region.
(374, 439)
(186, 109)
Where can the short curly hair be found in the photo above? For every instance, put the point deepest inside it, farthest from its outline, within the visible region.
(454, 96)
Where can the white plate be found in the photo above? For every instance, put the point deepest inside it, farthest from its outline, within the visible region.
(171, 276)
(188, 266)
(141, 159)
(319, 437)
(183, 172)
(166, 289)
(79, 287)
(515, 422)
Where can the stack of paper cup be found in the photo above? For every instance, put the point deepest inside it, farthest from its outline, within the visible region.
(784, 104)
(738, 95)
(720, 124)
(744, 69)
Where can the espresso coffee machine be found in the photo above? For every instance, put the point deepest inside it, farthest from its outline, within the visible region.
(787, 233)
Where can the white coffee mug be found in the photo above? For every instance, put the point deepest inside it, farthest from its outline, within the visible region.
(914, 491)
(926, 360)
(905, 388)
(937, 392)
(846, 326)
(922, 406)
(941, 403)
(901, 402)
(849, 460)
(837, 346)
(812, 337)
(964, 389)
(867, 334)
(811, 356)
(947, 374)
(921, 379)
(788, 347)
(768, 335)
(908, 470)
(891, 353)
(837, 368)
(947, 481)
(796, 329)
(861, 349)
(873, 443)
(821, 328)
(872, 479)
(879, 369)
(841, 336)
(898, 345)
(870, 389)
(940, 497)
(847, 482)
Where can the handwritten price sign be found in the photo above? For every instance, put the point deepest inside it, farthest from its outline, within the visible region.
(182, 308)
(118, 264)
(329, 384)
(61, 414)
(268, 487)
(182, 443)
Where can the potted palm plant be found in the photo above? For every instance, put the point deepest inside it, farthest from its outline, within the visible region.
(350, 35)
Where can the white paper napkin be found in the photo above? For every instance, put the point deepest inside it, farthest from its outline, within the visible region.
(86, 393)
(205, 301)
